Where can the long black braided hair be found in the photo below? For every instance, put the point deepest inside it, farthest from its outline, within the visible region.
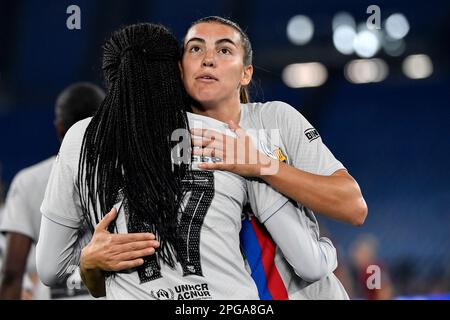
(126, 150)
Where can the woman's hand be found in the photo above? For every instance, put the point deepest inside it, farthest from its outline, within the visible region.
(115, 252)
(238, 155)
(337, 196)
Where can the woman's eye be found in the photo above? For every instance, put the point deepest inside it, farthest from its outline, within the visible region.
(225, 51)
(194, 49)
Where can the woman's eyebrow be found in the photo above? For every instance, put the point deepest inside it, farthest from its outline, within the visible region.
(218, 42)
(225, 40)
(196, 39)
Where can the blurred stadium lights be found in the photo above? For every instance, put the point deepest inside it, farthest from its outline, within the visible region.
(344, 33)
(417, 66)
(304, 75)
(397, 26)
(300, 29)
(343, 19)
(393, 47)
(367, 42)
(366, 70)
(348, 39)
(343, 37)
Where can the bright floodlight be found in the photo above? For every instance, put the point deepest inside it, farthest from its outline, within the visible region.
(343, 19)
(300, 29)
(343, 37)
(366, 43)
(303, 75)
(366, 70)
(397, 26)
(418, 66)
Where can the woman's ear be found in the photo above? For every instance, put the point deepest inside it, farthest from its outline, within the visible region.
(247, 75)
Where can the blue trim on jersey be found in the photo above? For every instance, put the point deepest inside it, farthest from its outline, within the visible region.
(252, 251)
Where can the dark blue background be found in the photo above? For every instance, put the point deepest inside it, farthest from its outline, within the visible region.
(393, 136)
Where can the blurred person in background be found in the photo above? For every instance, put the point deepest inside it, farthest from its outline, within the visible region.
(370, 275)
(21, 217)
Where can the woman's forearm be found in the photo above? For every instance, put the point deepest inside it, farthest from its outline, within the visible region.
(337, 196)
(93, 278)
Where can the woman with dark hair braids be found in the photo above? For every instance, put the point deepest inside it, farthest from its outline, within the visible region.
(143, 107)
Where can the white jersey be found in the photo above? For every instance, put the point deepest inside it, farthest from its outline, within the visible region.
(21, 212)
(297, 143)
(210, 225)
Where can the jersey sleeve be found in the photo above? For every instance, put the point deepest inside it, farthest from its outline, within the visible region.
(303, 145)
(17, 215)
(312, 257)
(58, 250)
(263, 199)
(61, 201)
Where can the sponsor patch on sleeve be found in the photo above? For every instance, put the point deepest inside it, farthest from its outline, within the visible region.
(311, 134)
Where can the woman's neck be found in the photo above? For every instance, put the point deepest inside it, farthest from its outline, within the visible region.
(223, 113)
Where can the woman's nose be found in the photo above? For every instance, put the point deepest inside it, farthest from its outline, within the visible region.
(208, 61)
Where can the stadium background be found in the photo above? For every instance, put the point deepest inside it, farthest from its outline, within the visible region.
(387, 120)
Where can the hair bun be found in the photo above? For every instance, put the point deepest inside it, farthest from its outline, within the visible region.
(153, 40)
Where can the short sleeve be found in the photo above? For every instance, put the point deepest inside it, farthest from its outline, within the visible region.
(17, 215)
(61, 201)
(303, 145)
(263, 199)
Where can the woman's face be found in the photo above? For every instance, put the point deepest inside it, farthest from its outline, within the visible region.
(213, 70)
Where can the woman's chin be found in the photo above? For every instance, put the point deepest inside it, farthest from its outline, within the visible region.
(206, 99)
